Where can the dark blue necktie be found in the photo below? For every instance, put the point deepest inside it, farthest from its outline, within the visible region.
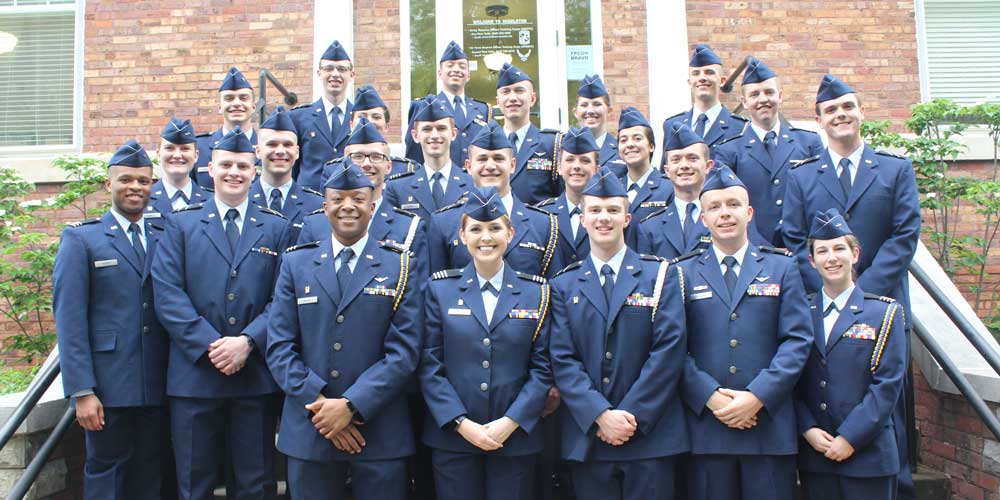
(275, 203)
(488, 287)
(344, 273)
(513, 140)
(609, 282)
(689, 226)
(133, 228)
(180, 194)
(459, 112)
(437, 190)
(845, 176)
(769, 139)
(699, 127)
(232, 230)
(334, 124)
(730, 275)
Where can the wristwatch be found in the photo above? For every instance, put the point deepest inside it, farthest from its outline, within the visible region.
(458, 422)
(250, 341)
(351, 407)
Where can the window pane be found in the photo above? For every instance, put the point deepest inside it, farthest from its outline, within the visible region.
(578, 37)
(423, 63)
(963, 50)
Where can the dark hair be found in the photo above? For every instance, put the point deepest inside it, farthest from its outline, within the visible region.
(385, 109)
(606, 98)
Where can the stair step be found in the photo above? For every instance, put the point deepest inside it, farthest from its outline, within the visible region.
(220, 492)
(932, 485)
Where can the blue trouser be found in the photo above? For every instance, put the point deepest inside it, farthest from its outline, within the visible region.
(463, 476)
(646, 479)
(740, 477)
(370, 479)
(238, 432)
(125, 460)
(817, 486)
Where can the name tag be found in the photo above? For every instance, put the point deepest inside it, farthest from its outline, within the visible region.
(308, 300)
(454, 311)
(702, 295)
(105, 263)
(203, 169)
(764, 290)
(151, 215)
(297, 226)
(409, 206)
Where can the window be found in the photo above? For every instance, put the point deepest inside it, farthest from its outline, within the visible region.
(38, 42)
(962, 50)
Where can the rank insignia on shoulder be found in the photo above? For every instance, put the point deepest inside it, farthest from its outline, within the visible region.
(530, 277)
(883, 298)
(523, 314)
(693, 253)
(267, 210)
(317, 211)
(570, 267)
(654, 258)
(776, 251)
(798, 163)
(654, 214)
(861, 331)
(764, 290)
(191, 206)
(883, 152)
(83, 222)
(461, 201)
(312, 191)
(653, 204)
(392, 245)
(311, 244)
(447, 273)
(546, 202)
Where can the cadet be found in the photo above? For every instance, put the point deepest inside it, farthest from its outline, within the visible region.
(485, 367)
(213, 276)
(707, 116)
(617, 349)
(762, 154)
(113, 352)
(323, 125)
(536, 232)
(368, 104)
(278, 150)
(344, 337)
(881, 189)
(648, 190)
(853, 378)
(177, 152)
(578, 162)
(593, 106)
(470, 115)
(236, 105)
(535, 177)
(677, 229)
(748, 338)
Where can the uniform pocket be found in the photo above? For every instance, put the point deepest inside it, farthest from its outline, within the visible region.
(104, 341)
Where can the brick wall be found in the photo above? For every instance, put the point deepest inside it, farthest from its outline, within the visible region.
(376, 55)
(626, 76)
(145, 61)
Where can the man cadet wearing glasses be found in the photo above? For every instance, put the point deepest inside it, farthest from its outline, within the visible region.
(369, 104)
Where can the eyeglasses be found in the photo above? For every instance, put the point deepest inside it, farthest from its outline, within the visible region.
(359, 158)
(335, 69)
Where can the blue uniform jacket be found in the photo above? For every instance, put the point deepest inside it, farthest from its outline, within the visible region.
(485, 369)
(300, 202)
(620, 357)
(655, 194)
(883, 211)
(362, 343)
(532, 251)
(412, 191)
(109, 338)
(851, 383)
(758, 342)
(204, 292)
(764, 176)
(477, 115)
(160, 206)
(316, 147)
(400, 166)
(536, 176)
(726, 125)
(660, 234)
(570, 249)
(205, 142)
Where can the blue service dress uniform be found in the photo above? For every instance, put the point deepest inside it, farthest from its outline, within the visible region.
(757, 341)
(726, 125)
(765, 174)
(205, 291)
(570, 249)
(849, 388)
(361, 343)
(206, 142)
(160, 205)
(655, 193)
(626, 355)
(532, 251)
(485, 369)
(477, 115)
(299, 203)
(110, 342)
(400, 166)
(661, 234)
(412, 191)
(536, 175)
(316, 146)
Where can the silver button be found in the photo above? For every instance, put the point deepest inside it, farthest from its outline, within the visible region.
(778, 203)
(145, 329)
(486, 364)
(777, 181)
(822, 406)
(232, 274)
(231, 297)
(232, 320)
(734, 343)
(145, 305)
(608, 355)
(486, 341)
(337, 346)
(335, 374)
(822, 384)
(732, 369)
(340, 318)
(606, 380)
(484, 387)
(733, 316)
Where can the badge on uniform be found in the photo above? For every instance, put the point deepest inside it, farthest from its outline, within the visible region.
(151, 215)
(202, 169)
(380, 290)
(454, 311)
(523, 314)
(265, 251)
(105, 263)
(861, 331)
(531, 245)
(764, 290)
(705, 239)
(539, 164)
(639, 300)
(653, 204)
(701, 295)
(307, 300)
(409, 206)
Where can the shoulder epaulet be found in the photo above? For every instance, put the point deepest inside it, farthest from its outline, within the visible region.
(883, 298)
(811, 296)
(693, 253)
(653, 258)
(459, 203)
(191, 206)
(678, 114)
(339, 159)
(157, 227)
(403, 212)
(548, 131)
(311, 244)
(312, 191)
(654, 214)
(473, 99)
(317, 211)
(730, 139)
(798, 163)
(83, 222)
(447, 273)
(537, 209)
(400, 175)
(546, 202)
(208, 189)
(400, 158)
(392, 245)
(530, 277)
(204, 134)
(306, 105)
(267, 210)
(797, 129)
(776, 251)
(569, 268)
(738, 117)
(882, 152)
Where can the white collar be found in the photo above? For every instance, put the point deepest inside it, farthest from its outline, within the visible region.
(329, 105)
(615, 262)
(170, 189)
(682, 206)
(855, 156)
(508, 203)
(358, 246)
(600, 140)
(712, 113)
(267, 188)
(125, 223)
(739, 255)
(445, 172)
(496, 280)
(222, 207)
(642, 180)
(247, 132)
(451, 97)
(761, 132)
(521, 133)
(840, 300)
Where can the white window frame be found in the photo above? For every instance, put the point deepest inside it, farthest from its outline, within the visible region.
(667, 60)
(51, 151)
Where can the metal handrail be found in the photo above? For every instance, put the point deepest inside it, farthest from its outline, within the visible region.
(38, 462)
(290, 98)
(40, 384)
(731, 81)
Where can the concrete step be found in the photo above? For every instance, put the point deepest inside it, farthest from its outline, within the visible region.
(932, 485)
